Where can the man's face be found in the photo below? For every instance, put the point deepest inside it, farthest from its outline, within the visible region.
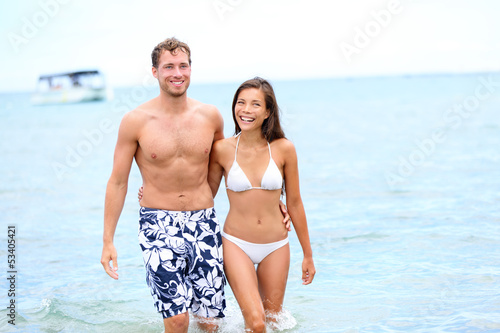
(173, 72)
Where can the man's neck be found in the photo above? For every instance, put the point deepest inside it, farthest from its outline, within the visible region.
(173, 104)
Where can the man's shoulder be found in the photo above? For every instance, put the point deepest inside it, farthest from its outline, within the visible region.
(206, 109)
(140, 113)
(210, 115)
(133, 117)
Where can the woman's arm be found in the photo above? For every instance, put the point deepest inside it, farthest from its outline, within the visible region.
(296, 210)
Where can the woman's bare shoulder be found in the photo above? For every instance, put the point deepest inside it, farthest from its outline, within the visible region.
(284, 145)
(224, 145)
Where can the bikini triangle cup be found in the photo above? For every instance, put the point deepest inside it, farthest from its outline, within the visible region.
(237, 180)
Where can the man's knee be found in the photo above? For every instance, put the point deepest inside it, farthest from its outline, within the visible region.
(178, 323)
(208, 325)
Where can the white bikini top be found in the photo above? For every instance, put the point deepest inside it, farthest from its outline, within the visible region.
(237, 181)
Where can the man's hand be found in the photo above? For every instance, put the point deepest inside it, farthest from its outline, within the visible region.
(109, 254)
(287, 219)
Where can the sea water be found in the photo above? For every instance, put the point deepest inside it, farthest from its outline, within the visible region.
(400, 178)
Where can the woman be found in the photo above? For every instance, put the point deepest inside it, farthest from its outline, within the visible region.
(256, 163)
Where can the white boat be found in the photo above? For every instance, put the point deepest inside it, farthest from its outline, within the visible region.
(71, 87)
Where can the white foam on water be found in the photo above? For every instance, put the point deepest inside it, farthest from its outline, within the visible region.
(281, 321)
(234, 322)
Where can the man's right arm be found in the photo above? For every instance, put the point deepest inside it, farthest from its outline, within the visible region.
(215, 170)
(116, 189)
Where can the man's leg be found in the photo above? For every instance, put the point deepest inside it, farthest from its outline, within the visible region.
(161, 241)
(177, 324)
(209, 325)
(207, 272)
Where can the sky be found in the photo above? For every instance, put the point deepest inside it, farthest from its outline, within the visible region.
(233, 40)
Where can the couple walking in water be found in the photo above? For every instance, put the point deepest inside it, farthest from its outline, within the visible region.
(179, 147)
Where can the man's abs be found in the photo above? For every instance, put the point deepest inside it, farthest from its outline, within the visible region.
(179, 186)
(177, 200)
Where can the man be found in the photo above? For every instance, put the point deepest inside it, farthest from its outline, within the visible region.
(171, 137)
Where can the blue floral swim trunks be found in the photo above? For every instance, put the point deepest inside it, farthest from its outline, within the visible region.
(182, 253)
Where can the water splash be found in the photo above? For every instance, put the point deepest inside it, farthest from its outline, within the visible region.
(281, 321)
(234, 322)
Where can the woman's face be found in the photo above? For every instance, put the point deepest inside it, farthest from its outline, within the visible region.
(250, 109)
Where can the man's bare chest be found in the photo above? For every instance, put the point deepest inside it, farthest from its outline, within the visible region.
(190, 140)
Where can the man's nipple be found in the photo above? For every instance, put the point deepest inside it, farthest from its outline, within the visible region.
(153, 155)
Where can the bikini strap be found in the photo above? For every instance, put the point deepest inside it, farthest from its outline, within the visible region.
(237, 143)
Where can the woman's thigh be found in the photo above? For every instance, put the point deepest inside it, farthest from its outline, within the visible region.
(272, 274)
(241, 275)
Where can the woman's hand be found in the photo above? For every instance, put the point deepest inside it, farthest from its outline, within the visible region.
(140, 193)
(308, 270)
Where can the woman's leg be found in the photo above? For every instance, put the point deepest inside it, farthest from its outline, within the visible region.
(272, 274)
(240, 273)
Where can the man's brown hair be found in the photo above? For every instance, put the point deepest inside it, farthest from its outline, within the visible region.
(173, 45)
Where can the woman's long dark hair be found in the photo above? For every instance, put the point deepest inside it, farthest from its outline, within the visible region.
(271, 128)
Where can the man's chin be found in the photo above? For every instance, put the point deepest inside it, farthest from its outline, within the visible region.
(174, 93)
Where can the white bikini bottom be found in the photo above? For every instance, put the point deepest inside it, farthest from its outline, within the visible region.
(256, 252)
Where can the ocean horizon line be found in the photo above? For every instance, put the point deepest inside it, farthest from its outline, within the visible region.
(307, 79)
